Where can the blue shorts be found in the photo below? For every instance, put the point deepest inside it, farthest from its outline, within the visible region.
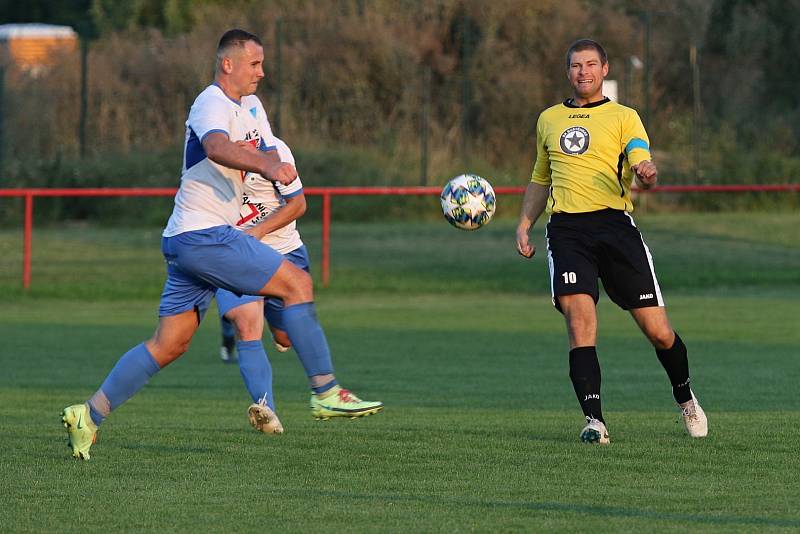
(273, 307)
(200, 261)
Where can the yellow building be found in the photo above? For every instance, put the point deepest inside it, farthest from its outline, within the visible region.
(35, 46)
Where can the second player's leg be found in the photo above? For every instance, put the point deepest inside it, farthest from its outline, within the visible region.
(254, 365)
(248, 320)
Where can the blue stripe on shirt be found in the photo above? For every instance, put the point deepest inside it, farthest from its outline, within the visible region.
(636, 143)
(216, 130)
(293, 193)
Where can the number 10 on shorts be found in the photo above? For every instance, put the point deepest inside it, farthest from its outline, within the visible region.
(569, 277)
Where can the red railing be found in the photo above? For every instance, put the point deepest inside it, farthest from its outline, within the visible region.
(325, 192)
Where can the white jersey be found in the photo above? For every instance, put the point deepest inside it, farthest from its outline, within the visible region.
(262, 197)
(211, 194)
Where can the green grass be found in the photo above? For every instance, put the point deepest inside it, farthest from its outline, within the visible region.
(692, 252)
(480, 429)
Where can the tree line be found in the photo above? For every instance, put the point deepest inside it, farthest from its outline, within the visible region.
(453, 81)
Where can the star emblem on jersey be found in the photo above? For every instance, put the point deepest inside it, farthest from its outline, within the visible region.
(574, 140)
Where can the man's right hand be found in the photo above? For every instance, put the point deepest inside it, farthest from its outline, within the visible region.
(275, 169)
(524, 247)
(284, 173)
(245, 156)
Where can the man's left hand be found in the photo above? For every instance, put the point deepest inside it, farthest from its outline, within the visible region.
(646, 174)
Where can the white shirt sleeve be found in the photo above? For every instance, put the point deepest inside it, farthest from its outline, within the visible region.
(286, 156)
(209, 114)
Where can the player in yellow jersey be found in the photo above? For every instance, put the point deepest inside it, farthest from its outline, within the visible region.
(589, 149)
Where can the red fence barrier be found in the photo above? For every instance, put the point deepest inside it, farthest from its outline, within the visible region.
(326, 193)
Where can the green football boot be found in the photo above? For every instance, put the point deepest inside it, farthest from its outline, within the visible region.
(339, 402)
(81, 430)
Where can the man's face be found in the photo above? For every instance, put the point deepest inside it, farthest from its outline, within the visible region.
(586, 73)
(246, 68)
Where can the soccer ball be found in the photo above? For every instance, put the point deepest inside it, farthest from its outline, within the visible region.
(468, 201)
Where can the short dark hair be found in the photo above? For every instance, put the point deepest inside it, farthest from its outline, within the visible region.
(236, 37)
(586, 44)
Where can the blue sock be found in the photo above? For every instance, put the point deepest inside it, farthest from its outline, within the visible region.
(97, 417)
(325, 387)
(128, 376)
(256, 370)
(308, 338)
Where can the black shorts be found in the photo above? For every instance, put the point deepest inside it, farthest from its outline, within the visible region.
(582, 247)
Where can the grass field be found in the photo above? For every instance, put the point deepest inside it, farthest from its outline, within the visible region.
(457, 336)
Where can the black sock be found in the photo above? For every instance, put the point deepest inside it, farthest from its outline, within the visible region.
(229, 342)
(584, 371)
(676, 364)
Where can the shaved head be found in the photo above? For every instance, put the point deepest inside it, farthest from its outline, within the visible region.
(233, 41)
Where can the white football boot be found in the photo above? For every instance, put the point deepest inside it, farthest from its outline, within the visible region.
(263, 419)
(694, 418)
(227, 356)
(595, 432)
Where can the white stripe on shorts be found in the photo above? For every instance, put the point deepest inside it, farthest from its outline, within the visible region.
(550, 264)
(650, 261)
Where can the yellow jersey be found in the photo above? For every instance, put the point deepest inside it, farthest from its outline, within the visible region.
(585, 155)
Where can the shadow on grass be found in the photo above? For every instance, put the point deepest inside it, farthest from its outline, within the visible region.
(601, 511)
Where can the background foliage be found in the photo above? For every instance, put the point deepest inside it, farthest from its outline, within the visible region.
(356, 86)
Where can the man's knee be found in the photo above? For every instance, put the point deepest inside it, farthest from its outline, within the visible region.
(247, 330)
(290, 283)
(166, 351)
(581, 318)
(300, 286)
(662, 338)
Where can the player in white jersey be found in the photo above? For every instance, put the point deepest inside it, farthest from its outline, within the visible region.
(203, 249)
(283, 205)
(277, 206)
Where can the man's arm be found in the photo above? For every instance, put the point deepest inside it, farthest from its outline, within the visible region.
(637, 150)
(533, 204)
(294, 208)
(222, 150)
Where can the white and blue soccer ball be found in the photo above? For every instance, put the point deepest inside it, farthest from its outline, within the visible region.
(468, 201)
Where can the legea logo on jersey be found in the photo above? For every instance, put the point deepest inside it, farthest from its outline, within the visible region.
(574, 140)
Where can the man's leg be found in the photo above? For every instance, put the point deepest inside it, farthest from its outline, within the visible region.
(319, 382)
(254, 365)
(131, 372)
(669, 347)
(294, 286)
(672, 354)
(584, 368)
(274, 308)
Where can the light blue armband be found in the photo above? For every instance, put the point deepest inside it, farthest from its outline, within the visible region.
(636, 143)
